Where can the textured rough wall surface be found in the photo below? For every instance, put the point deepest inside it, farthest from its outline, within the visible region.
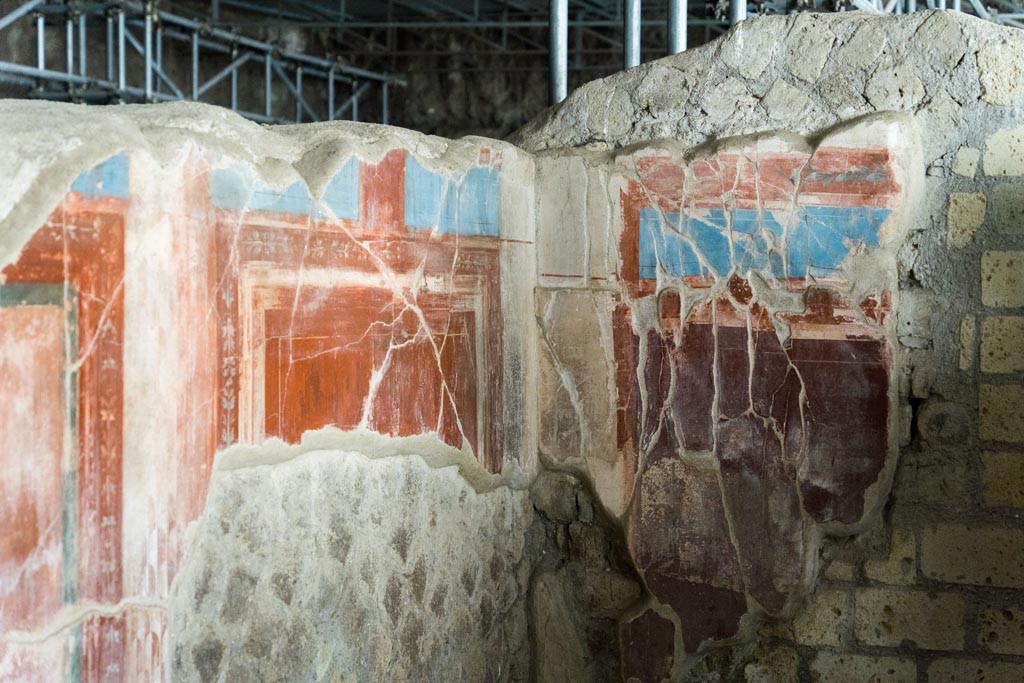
(257, 604)
(932, 590)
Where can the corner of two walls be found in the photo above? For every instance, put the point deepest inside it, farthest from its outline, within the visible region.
(931, 587)
(475, 306)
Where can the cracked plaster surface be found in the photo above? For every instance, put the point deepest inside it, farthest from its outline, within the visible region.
(227, 289)
(700, 370)
(952, 74)
(585, 310)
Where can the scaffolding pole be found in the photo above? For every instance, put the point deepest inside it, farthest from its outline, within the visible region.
(631, 31)
(559, 60)
(676, 26)
(737, 11)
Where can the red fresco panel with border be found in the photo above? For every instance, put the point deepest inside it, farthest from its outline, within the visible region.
(82, 244)
(795, 426)
(333, 309)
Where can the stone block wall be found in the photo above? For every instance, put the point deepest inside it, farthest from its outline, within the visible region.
(934, 591)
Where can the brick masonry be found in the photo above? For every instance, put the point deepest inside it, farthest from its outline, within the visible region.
(934, 591)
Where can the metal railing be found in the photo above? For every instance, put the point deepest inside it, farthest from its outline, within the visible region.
(323, 89)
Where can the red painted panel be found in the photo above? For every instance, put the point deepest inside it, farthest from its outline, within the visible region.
(648, 647)
(320, 357)
(82, 244)
(382, 194)
(765, 179)
(679, 539)
(32, 417)
(436, 346)
(315, 381)
(805, 424)
(768, 435)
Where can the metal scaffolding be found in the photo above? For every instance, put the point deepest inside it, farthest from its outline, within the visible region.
(581, 28)
(131, 37)
(516, 15)
(140, 47)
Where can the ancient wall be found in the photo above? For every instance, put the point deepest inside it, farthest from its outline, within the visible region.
(717, 376)
(720, 362)
(932, 589)
(342, 293)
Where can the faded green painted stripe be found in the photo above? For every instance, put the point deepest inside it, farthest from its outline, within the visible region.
(31, 295)
(75, 655)
(69, 494)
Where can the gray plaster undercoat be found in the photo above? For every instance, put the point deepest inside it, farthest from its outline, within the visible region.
(306, 541)
(337, 567)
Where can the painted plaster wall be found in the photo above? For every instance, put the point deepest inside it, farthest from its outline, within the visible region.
(931, 590)
(375, 321)
(190, 319)
(732, 396)
(468, 316)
